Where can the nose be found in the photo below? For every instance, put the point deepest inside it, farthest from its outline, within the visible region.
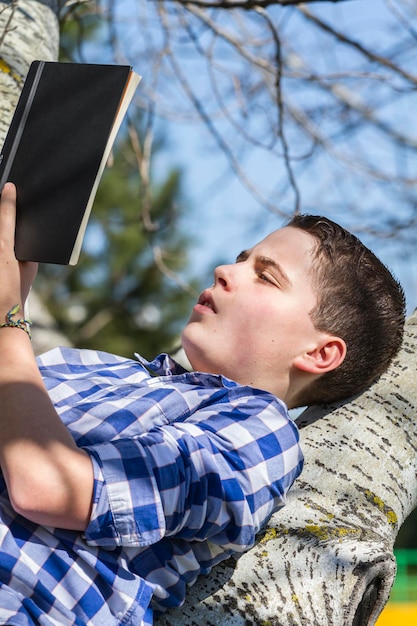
(225, 276)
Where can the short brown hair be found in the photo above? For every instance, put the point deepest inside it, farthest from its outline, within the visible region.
(359, 300)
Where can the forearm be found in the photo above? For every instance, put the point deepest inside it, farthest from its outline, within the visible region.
(48, 478)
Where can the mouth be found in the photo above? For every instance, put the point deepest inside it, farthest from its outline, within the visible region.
(206, 301)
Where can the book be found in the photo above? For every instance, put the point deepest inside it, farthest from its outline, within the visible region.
(56, 149)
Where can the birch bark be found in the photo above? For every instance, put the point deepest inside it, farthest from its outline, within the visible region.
(29, 30)
(327, 558)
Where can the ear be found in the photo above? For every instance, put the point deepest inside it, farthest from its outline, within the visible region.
(323, 358)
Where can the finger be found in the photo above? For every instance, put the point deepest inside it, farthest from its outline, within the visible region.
(8, 192)
(7, 221)
(8, 215)
(8, 208)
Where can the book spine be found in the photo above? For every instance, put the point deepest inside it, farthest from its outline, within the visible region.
(21, 125)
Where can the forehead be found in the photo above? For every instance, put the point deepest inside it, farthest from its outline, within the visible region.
(293, 248)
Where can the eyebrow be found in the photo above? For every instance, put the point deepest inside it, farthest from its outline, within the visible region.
(267, 262)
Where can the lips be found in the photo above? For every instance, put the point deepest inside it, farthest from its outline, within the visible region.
(205, 301)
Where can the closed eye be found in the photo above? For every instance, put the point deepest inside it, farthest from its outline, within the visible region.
(274, 274)
(268, 278)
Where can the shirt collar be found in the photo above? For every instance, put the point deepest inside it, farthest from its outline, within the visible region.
(165, 365)
(162, 365)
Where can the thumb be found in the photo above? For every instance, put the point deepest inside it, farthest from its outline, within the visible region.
(8, 212)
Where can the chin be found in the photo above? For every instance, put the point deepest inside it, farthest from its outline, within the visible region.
(194, 355)
(195, 347)
(191, 351)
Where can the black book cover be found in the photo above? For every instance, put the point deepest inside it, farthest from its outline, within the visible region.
(54, 153)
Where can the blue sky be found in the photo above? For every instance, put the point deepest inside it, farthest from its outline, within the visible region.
(223, 217)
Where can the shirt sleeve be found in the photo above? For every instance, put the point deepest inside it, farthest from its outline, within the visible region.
(219, 475)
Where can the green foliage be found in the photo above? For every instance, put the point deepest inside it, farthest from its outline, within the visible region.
(122, 297)
(80, 23)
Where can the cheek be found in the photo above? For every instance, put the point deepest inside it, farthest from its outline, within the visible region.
(268, 326)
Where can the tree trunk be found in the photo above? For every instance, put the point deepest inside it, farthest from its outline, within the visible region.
(327, 558)
(29, 30)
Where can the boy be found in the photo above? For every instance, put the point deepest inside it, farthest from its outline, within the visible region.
(121, 487)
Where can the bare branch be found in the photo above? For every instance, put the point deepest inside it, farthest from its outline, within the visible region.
(247, 5)
(200, 108)
(302, 110)
(280, 105)
(372, 56)
(12, 7)
(143, 157)
(159, 257)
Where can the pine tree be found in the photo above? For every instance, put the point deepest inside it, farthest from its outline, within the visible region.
(123, 295)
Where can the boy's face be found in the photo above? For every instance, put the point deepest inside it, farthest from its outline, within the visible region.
(254, 321)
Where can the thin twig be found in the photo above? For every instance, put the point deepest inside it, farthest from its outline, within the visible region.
(372, 56)
(280, 104)
(158, 255)
(246, 4)
(7, 29)
(199, 107)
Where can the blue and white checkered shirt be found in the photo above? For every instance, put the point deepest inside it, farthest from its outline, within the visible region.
(187, 466)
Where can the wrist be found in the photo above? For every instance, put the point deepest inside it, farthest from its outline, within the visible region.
(14, 320)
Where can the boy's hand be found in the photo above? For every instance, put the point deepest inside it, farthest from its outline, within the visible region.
(15, 278)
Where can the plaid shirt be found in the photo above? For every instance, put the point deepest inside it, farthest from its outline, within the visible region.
(187, 469)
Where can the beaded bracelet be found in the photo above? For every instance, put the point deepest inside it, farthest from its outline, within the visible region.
(21, 323)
